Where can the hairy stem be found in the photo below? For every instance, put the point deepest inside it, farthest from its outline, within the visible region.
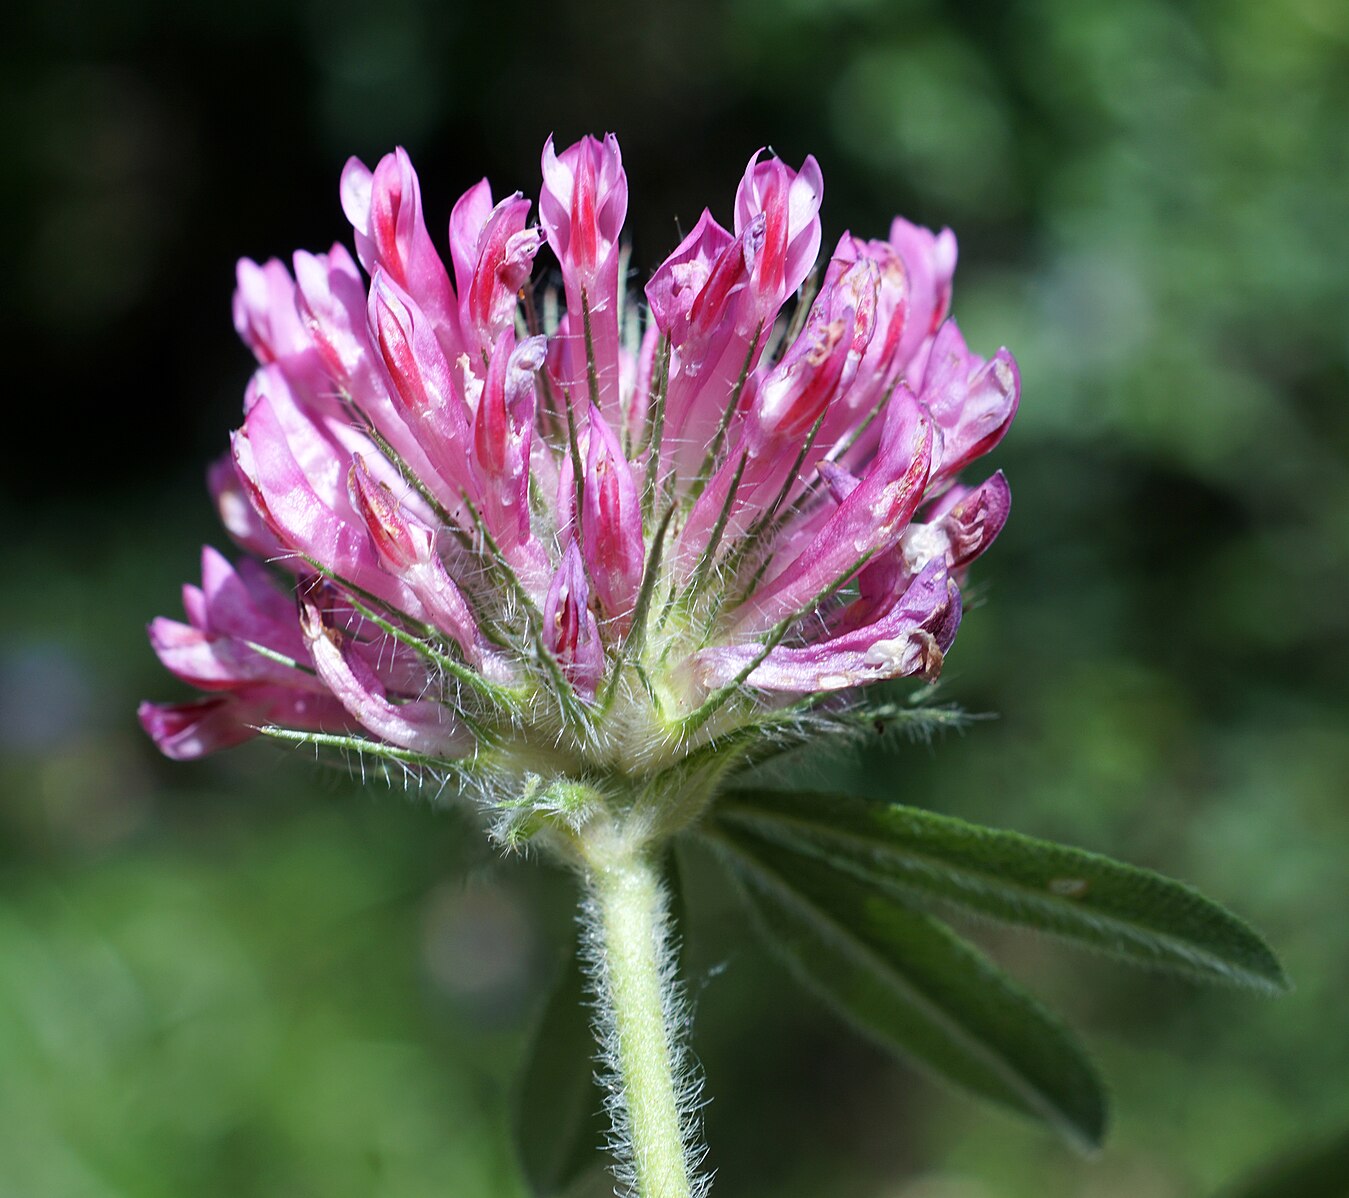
(637, 1015)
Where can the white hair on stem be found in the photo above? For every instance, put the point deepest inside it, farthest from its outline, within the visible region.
(600, 966)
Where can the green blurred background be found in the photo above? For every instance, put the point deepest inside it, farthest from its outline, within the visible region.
(250, 978)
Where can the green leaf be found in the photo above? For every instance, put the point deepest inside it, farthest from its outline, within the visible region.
(915, 986)
(1122, 910)
(560, 1125)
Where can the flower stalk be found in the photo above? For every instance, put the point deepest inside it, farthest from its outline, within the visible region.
(630, 946)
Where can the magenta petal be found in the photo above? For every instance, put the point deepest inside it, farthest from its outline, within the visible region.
(423, 387)
(194, 606)
(570, 631)
(385, 209)
(407, 550)
(320, 437)
(354, 191)
(404, 337)
(973, 522)
(795, 393)
(790, 202)
(638, 400)
(611, 522)
(505, 256)
(330, 298)
(584, 202)
(493, 253)
(397, 542)
(264, 311)
(930, 262)
(873, 373)
(230, 614)
(186, 731)
(237, 514)
(467, 218)
(910, 639)
(972, 401)
(503, 430)
(960, 527)
(582, 207)
(840, 481)
(695, 537)
(244, 603)
(214, 662)
(419, 725)
(720, 296)
(702, 274)
(718, 330)
(870, 520)
(991, 401)
(305, 524)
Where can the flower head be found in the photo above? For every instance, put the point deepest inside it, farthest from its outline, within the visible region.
(621, 542)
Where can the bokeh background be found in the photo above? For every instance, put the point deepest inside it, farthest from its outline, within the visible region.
(248, 978)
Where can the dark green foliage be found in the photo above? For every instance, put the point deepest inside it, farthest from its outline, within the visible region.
(1128, 912)
(917, 987)
(840, 887)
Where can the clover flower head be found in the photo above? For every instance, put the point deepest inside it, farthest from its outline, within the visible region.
(611, 536)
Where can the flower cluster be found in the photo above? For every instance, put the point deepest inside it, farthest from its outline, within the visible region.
(594, 534)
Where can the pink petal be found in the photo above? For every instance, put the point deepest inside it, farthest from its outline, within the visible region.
(186, 731)
(570, 631)
(691, 292)
(636, 408)
(974, 521)
(879, 368)
(503, 431)
(583, 202)
(214, 661)
(717, 329)
(972, 401)
(822, 360)
(582, 206)
(264, 311)
(330, 299)
(790, 203)
(244, 603)
(302, 521)
(867, 522)
(419, 725)
(237, 514)
(911, 638)
(930, 262)
(611, 522)
(407, 550)
(385, 209)
(467, 218)
(777, 229)
(422, 386)
(505, 256)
